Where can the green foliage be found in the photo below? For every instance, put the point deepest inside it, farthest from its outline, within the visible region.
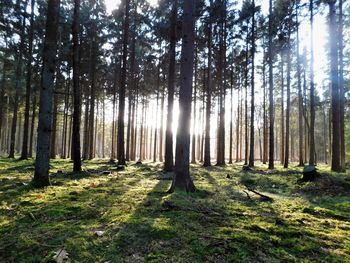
(127, 216)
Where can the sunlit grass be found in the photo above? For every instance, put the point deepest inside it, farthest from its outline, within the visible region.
(139, 222)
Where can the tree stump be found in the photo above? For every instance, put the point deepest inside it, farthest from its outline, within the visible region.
(309, 173)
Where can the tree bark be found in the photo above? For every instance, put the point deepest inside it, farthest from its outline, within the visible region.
(76, 155)
(18, 79)
(121, 113)
(24, 154)
(252, 102)
(41, 175)
(271, 106)
(207, 158)
(169, 159)
(300, 97)
(182, 179)
(336, 158)
(312, 91)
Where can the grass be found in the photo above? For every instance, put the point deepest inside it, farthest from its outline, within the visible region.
(127, 216)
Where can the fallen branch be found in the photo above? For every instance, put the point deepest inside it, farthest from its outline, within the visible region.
(263, 197)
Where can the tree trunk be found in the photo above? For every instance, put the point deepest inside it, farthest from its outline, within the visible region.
(252, 102)
(207, 158)
(193, 140)
(271, 106)
(341, 86)
(121, 113)
(300, 97)
(169, 159)
(18, 79)
(31, 139)
(231, 123)
(182, 179)
(76, 155)
(24, 154)
(265, 151)
(286, 154)
(336, 158)
(41, 175)
(312, 92)
(282, 110)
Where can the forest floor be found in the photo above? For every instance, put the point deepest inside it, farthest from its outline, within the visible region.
(127, 216)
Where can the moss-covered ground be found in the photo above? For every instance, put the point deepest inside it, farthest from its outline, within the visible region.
(127, 216)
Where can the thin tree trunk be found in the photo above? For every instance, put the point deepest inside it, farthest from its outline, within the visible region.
(252, 102)
(286, 155)
(193, 140)
(18, 80)
(271, 106)
(336, 140)
(24, 154)
(31, 139)
(76, 155)
(121, 113)
(169, 159)
(300, 97)
(341, 86)
(282, 111)
(312, 92)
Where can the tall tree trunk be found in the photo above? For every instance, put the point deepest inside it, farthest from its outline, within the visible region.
(193, 140)
(252, 102)
(286, 154)
(271, 106)
(157, 107)
(246, 142)
(312, 90)
(24, 154)
(161, 130)
(121, 113)
(169, 159)
(131, 90)
(300, 97)
(93, 58)
(265, 134)
(76, 155)
(182, 179)
(341, 86)
(282, 110)
(238, 126)
(231, 123)
(336, 142)
(207, 158)
(18, 79)
(41, 174)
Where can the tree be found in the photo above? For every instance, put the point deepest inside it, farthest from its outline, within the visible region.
(271, 109)
(24, 154)
(334, 78)
(121, 113)
(21, 50)
(182, 177)
(312, 89)
(76, 90)
(207, 161)
(41, 174)
(169, 159)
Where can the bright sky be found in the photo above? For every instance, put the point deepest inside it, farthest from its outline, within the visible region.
(113, 4)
